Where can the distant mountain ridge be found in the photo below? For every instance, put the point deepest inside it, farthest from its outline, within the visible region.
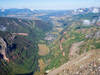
(41, 14)
(15, 11)
(28, 13)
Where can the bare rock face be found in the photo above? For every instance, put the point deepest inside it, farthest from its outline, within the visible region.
(93, 35)
(3, 47)
(89, 35)
(97, 34)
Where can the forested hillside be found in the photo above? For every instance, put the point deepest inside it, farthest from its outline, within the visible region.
(21, 37)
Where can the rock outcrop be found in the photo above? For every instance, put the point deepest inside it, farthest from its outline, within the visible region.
(3, 49)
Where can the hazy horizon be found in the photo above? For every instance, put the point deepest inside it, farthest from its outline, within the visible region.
(49, 4)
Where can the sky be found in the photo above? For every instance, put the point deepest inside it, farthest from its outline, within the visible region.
(49, 4)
